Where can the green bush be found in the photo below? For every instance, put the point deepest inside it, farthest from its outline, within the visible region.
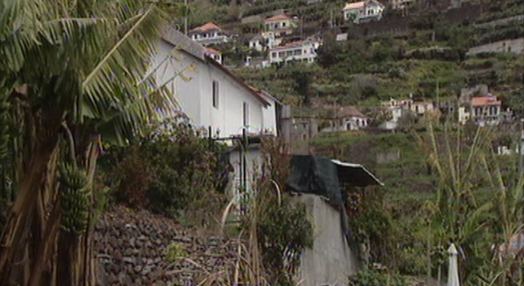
(169, 170)
(281, 224)
(373, 277)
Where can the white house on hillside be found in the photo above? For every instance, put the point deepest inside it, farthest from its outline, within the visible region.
(303, 51)
(347, 118)
(401, 4)
(212, 97)
(280, 25)
(258, 43)
(363, 11)
(214, 54)
(483, 110)
(208, 34)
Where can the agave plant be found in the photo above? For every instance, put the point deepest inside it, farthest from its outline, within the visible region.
(72, 73)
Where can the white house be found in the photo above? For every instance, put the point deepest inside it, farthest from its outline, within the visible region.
(480, 106)
(208, 34)
(213, 98)
(483, 110)
(280, 25)
(420, 108)
(401, 4)
(395, 109)
(363, 11)
(303, 51)
(214, 54)
(257, 43)
(347, 118)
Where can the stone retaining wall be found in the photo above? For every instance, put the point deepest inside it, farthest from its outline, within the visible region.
(131, 249)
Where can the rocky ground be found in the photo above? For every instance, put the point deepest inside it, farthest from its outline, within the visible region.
(140, 248)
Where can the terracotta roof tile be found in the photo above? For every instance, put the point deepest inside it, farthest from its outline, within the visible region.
(485, 101)
(354, 5)
(207, 27)
(213, 51)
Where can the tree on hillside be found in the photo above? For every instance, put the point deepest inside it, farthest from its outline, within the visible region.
(302, 76)
(329, 51)
(72, 73)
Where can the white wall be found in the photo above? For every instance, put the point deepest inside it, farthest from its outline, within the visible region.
(186, 94)
(373, 9)
(330, 261)
(512, 46)
(196, 95)
(308, 54)
(353, 14)
(254, 160)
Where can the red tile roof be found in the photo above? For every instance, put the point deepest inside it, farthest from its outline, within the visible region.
(485, 101)
(278, 18)
(207, 27)
(354, 5)
(213, 51)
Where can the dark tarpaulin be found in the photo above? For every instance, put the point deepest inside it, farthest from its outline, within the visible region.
(315, 175)
(322, 176)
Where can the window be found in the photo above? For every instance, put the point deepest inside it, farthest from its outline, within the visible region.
(274, 54)
(215, 94)
(245, 113)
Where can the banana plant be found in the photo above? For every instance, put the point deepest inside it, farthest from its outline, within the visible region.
(73, 73)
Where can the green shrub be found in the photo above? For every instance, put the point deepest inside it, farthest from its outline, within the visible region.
(373, 277)
(135, 179)
(169, 170)
(284, 232)
(281, 224)
(175, 251)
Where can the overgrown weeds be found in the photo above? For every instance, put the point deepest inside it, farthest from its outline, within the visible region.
(481, 225)
(171, 171)
(275, 228)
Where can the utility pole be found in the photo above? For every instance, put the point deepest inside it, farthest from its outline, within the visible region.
(521, 147)
(185, 17)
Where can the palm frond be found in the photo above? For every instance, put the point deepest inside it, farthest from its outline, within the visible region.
(122, 67)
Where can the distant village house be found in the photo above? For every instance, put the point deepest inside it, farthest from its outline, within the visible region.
(401, 4)
(302, 51)
(280, 25)
(363, 11)
(209, 34)
(398, 108)
(214, 54)
(478, 105)
(347, 118)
